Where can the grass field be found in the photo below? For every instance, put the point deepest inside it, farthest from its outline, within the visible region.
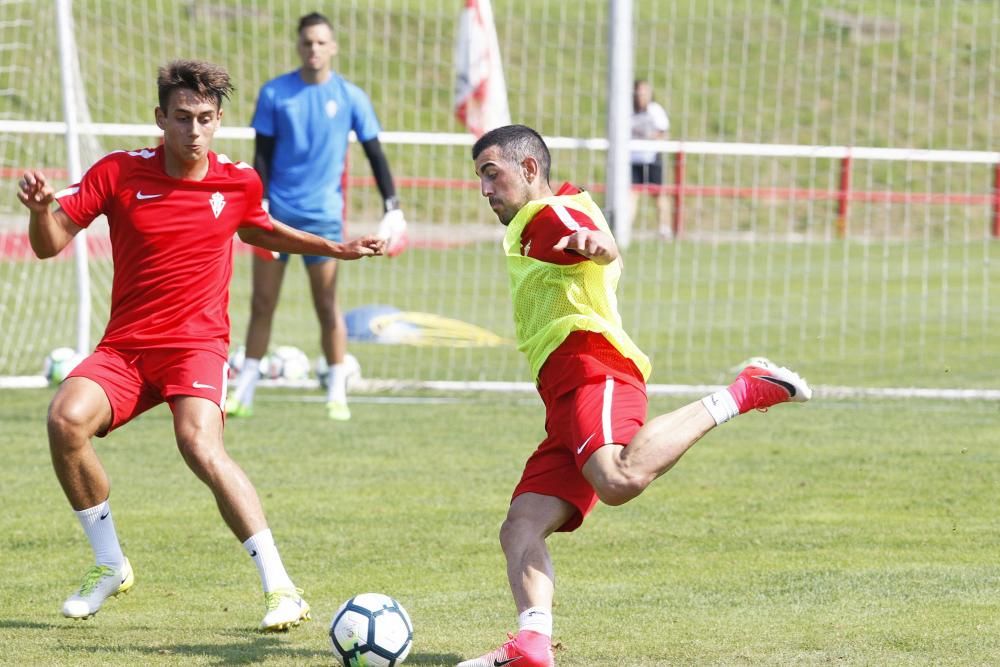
(843, 532)
(849, 533)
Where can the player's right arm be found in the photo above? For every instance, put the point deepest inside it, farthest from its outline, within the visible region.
(283, 238)
(48, 231)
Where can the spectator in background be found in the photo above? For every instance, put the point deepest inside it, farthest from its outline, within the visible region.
(649, 121)
(302, 120)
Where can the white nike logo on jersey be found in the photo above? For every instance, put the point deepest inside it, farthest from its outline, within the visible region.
(198, 385)
(139, 195)
(579, 450)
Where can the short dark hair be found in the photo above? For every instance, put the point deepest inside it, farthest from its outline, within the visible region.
(516, 142)
(314, 18)
(204, 79)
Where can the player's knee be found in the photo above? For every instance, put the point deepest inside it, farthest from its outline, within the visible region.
(620, 487)
(69, 421)
(515, 531)
(200, 452)
(263, 305)
(326, 313)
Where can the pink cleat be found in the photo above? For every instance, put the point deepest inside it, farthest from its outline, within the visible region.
(527, 649)
(762, 384)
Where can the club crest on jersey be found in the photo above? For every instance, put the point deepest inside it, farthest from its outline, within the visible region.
(218, 202)
(331, 108)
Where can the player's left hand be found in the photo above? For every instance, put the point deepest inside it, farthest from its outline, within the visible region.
(592, 244)
(366, 246)
(393, 230)
(34, 191)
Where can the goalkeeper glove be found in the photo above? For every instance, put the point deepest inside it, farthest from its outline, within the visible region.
(393, 229)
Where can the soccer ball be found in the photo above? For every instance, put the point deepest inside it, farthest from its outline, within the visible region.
(371, 630)
(269, 367)
(59, 363)
(236, 359)
(352, 368)
(289, 363)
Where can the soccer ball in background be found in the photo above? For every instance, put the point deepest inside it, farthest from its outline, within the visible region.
(371, 630)
(236, 359)
(59, 363)
(286, 363)
(351, 366)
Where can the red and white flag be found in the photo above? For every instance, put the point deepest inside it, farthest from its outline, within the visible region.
(480, 89)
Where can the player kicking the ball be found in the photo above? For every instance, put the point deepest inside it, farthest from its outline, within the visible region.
(563, 267)
(172, 212)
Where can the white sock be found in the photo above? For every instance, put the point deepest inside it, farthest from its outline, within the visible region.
(336, 391)
(536, 619)
(265, 556)
(721, 405)
(100, 529)
(246, 381)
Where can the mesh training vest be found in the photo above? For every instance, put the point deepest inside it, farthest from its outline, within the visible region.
(551, 300)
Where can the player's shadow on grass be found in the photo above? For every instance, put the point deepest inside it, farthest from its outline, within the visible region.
(433, 659)
(30, 625)
(239, 653)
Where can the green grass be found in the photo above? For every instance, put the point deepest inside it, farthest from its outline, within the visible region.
(840, 532)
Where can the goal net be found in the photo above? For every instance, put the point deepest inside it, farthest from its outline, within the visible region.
(885, 279)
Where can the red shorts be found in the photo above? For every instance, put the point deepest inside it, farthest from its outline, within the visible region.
(578, 423)
(137, 380)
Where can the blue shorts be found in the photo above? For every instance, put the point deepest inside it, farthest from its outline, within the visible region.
(331, 229)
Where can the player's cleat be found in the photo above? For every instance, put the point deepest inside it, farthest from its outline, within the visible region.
(285, 608)
(393, 230)
(236, 409)
(533, 650)
(763, 384)
(100, 583)
(338, 411)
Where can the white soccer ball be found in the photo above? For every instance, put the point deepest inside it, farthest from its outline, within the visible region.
(236, 359)
(59, 363)
(352, 368)
(269, 367)
(288, 363)
(371, 630)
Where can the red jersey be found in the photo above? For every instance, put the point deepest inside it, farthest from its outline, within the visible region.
(584, 355)
(172, 245)
(551, 224)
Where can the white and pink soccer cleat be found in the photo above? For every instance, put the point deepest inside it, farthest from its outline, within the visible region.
(527, 649)
(763, 384)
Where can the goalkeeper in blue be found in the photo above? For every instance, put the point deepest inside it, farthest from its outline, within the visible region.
(302, 122)
(564, 267)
